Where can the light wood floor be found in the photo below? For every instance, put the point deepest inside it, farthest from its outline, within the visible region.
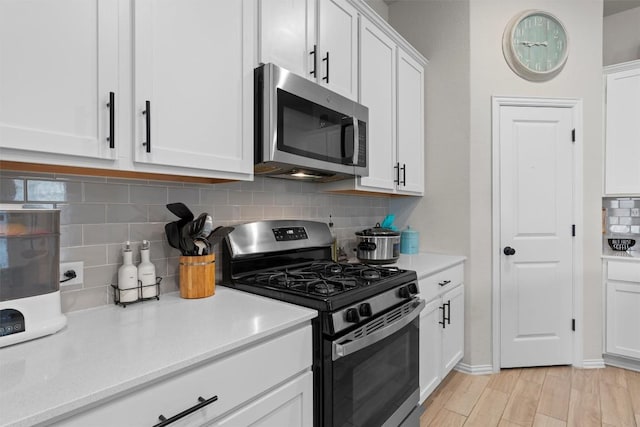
(539, 397)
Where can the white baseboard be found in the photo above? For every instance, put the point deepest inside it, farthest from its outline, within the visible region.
(622, 362)
(474, 369)
(593, 363)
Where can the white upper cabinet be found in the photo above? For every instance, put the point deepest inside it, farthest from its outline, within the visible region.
(194, 72)
(378, 92)
(288, 34)
(410, 125)
(622, 152)
(316, 39)
(337, 56)
(58, 65)
(391, 86)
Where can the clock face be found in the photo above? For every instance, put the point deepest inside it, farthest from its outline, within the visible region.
(535, 45)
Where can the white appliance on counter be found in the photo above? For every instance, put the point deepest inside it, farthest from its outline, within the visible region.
(29, 274)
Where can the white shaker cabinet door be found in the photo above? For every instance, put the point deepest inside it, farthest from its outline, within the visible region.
(288, 35)
(410, 124)
(193, 83)
(338, 47)
(58, 64)
(290, 405)
(622, 157)
(453, 331)
(378, 93)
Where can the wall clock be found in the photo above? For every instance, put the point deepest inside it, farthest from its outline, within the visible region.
(535, 44)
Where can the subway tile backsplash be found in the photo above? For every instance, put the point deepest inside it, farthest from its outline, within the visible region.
(98, 214)
(622, 217)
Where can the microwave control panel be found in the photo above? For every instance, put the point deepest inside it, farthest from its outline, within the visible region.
(285, 234)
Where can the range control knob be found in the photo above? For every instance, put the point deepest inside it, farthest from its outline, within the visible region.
(404, 292)
(413, 288)
(365, 309)
(352, 315)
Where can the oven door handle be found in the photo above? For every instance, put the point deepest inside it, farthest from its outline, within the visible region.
(342, 350)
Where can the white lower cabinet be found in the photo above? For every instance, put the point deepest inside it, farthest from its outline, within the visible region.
(623, 309)
(289, 405)
(266, 384)
(441, 327)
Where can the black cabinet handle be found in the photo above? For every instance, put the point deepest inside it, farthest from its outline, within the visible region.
(404, 174)
(112, 120)
(444, 318)
(444, 282)
(164, 421)
(448, 304)
(147, 114)
(326, 58)
(397, 168)
(509, 251)
(314, 52)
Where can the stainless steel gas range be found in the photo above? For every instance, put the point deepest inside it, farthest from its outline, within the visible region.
(365, 338)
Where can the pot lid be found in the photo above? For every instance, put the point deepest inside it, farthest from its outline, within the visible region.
(377, 231)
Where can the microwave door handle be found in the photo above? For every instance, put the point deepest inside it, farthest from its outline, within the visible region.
(342, 350)
(356, 141)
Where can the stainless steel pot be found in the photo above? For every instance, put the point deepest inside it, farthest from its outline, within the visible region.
(378, 245)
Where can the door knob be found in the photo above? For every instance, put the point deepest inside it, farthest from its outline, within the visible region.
(508, 250)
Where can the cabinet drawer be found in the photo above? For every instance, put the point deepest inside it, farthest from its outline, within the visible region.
(625, 271)
(434, 285)
(234, 379)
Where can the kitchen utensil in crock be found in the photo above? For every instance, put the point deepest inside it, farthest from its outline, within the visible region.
(187, 246)
(181, 211)
(218, 234)
(197, 225)
(173, 234)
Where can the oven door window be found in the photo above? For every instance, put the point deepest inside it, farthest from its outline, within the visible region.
(370, 384)
(311, 130)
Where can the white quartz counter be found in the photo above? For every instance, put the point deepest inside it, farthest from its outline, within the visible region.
(109, 350)
(427, 263)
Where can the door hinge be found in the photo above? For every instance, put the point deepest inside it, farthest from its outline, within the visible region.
(573, 324)
(573, 135)
(573, 230)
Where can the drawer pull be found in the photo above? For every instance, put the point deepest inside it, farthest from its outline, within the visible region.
(164, 421)
(444, 282)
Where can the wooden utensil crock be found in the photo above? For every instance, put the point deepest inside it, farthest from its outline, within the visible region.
(197, 276)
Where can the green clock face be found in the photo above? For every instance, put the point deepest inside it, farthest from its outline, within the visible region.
(535, 45)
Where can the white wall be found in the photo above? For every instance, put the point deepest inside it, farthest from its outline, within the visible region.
(458, 182)
(440, 30)
(622, 37)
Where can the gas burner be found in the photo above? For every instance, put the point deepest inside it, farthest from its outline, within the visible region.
(325, 287)
(325, 267)
(370, 274)
(285, 279)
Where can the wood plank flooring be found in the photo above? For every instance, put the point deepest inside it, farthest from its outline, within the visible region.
(558, 396)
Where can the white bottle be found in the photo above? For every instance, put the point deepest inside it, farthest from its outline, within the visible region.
(128, 276)
(147, 272)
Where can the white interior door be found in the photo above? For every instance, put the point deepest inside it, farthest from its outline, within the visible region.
(536, 268)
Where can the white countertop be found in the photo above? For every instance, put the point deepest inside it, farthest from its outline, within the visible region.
(108, 350)
(428, 263)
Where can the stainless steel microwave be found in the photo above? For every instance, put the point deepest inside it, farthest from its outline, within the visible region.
(305, 131)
